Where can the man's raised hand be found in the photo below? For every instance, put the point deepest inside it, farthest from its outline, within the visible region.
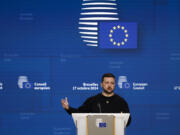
(65, 103)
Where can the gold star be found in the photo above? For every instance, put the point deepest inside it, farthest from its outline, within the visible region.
(125, 39)
(111, 31)
(110, 35)
(125, 31)
(126, 35)
(118, 44)
(114, 27)
(118, 27)
(111, 40)
(122, 27)
(122, 43)
(114, 43)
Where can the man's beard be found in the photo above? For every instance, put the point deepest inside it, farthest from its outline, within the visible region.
(107, 92)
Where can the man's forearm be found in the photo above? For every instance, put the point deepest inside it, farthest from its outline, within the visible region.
(71, 110)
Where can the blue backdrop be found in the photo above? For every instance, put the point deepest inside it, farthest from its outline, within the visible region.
(40, 45)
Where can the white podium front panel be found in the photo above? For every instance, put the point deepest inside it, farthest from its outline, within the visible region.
(80, 120)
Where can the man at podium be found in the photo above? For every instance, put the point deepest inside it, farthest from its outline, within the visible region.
(105, 102)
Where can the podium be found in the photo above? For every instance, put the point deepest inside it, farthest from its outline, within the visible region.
(100, 123)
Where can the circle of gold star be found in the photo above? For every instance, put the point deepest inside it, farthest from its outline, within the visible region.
(118, 27)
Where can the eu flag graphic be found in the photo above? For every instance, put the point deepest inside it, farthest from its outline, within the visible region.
(117, 35)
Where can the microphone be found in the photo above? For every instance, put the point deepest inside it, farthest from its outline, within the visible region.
(99, 106)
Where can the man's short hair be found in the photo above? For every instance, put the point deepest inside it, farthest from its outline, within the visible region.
(107, 75)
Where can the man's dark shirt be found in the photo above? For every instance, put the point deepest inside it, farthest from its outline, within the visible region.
(102, 104)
